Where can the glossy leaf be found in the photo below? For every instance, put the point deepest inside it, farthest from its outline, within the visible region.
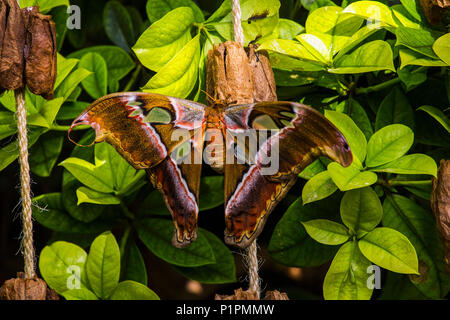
(326, 231)
(351, 177)
(442, 48)
(157, 234)
(410, 164)
(318, 187)
(373, 56)
(45, 153)
(62, 265)
(178, 77)
(69, 84)
(50, 213)
(291, 245)
(389, 249)
(376, 12)
(410, 57)
(118, 24)
(223, 271)
(96, 83)
(389, 144)
(394, 108)
(156, 9)
(313, 169)
(103, 265)
(87, 195)
(333, 28)
(355, 111)
(165, 38)
(347, 276)
(438, 115)
(418, 40)
(288, 29)
(211, 192)
(133, 264)
(131, 290)
(289, 47)
(354, 136)
(79, 294)
(361, 210)
(417, 223)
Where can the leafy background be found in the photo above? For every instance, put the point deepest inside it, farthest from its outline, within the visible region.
(383, 82)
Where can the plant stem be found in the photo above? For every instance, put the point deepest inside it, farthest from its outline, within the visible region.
(408, 183)
(133, 78)
(57, 127)
(125, 210)
(377, 87)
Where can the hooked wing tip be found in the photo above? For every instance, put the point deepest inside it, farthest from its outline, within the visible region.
(343, 153)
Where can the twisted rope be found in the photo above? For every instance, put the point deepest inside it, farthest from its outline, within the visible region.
(27, 221)
(252, 251)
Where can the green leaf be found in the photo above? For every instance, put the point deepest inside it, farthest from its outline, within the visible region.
(419, 40)
(354, 136)
(438, 115)
(289, 47)
(404, 18)
(388, 144)
(93, 176)
(7, 124)
(131, 290)
(165, 38)
(69, 84)
(351, 177)
(115, 169)
(395, 108)
(133, 264)
(316, 47)
(361, 210)
(79, 294)
(87, 195)
(103, 265)
(410, 164)
(313, 169)
(373, 56)
(411, 6)
(288, 29)
(156, 9)
(211, 192)
(356, 38)
(49, 212)
(326, 231)
(377, 13)
(62, 265)
(154, 204)
(318, 187)
(347, 276)
(71, 110)
(355, 111)
(223, 271)
(10, 152)
(157, 235)
(410, 57)
(412, 78)
(333, 28)
(96, 83)
(442, 48)
(178, 77)
(64, 68)
(404, 215)
(285, 62)
(45, 153)
(389, 249)
(118, 61)
(259, 18)
(118, 25)
(44, 5)
(291, 245)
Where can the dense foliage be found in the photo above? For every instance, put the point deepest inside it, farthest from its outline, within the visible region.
(377, 69)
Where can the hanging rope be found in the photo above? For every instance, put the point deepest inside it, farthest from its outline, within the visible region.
(27, 222)
(25, 184)
(252, 250)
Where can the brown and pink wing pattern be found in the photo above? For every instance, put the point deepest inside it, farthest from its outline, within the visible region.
(300, 135)
(156, 133)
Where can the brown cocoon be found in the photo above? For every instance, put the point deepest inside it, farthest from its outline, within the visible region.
(40, 52)
(12, 41)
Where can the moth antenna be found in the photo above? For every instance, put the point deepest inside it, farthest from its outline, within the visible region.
(216, 101)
